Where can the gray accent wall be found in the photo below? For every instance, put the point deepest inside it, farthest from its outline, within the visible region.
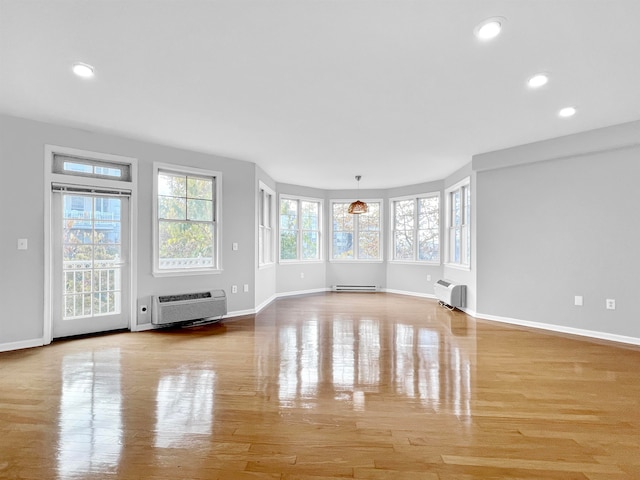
(557, 219)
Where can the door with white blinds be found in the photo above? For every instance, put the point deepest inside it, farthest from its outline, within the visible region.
(91, 273)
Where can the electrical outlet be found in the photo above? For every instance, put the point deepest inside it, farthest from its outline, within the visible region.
(246, 287)
(144, 309)
(234, 289)
(234, 246)
(611, 304)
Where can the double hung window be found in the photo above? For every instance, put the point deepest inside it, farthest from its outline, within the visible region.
(266, 212)
(356, 237)
(186, 226)
(416, 228)
(459, 224)
(300, 229)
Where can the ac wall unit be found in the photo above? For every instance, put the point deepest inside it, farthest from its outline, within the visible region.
(450, 295)
(168, 309)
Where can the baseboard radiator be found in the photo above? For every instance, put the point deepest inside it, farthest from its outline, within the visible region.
(450, 295)
(187, 307)
(355, 288)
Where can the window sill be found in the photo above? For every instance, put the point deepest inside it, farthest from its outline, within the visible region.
(300, 262)
(186, 272)
(457, 266)
(355, 261)
(408, 262)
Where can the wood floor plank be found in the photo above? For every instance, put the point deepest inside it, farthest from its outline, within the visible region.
(324, 386)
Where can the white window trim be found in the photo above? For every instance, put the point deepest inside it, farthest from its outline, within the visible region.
(357, 260)
(392, 230)
(50, 178)
(262, 187)
(180, 169)
(320, 202)
(465, 182)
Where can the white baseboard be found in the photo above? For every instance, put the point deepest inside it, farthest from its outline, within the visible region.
(266, 303)
(302, 292)
(411, 294)
(36, 342)
(612, 337)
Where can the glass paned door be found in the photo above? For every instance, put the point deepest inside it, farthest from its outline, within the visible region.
(91, 274)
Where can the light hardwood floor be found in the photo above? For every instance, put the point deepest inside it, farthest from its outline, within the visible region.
(318, 387)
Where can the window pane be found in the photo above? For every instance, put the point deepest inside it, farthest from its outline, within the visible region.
(342, 245)
(404, 214)
(77, 167)
(288, 214)
(172, 185)
(310, 246)
(201, 210)
(429, 213)
(309, 215)
(456, 217)
(288, 245)
(172, 208)
(200, 188)
(370, 221)
(403, 241)
(428, 245)
(369, 246)
(185, 244)
(342, 219)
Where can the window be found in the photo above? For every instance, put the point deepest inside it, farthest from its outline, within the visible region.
(265, 224)
(459, 224)
(416, 229)
(356, 237)
(300, 231)
(186, 227)
(93, 168)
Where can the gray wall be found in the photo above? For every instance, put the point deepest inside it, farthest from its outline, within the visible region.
(550, 220)
(561, 222)
(22, 216)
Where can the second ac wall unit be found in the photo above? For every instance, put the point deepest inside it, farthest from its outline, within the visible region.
(450, 294)
(184, 307)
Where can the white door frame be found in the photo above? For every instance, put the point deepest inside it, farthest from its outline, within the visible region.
(49, 178)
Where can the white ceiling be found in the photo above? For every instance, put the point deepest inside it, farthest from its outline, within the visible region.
(315, 92)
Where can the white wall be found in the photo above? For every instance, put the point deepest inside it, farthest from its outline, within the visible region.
(557, 219)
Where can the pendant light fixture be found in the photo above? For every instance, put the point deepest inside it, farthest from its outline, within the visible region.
(358, 206)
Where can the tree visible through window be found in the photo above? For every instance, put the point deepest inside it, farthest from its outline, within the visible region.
(300, 229)
(355, 237)
(416, 229)
(186, 227)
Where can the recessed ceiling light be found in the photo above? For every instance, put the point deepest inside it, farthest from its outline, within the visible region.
(83, 70)
(489, 29)
(538, 80)
(567, 112)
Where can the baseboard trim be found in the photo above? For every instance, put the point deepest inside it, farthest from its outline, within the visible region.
(611, 337)
(7, 347)
(302, 292)
(411, 294)
(266, 303)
